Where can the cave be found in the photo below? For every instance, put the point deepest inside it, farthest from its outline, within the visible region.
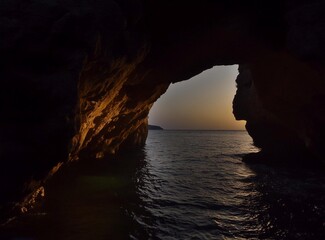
(79, 78)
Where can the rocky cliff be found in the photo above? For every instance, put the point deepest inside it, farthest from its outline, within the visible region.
(79, 77)
(278, 142)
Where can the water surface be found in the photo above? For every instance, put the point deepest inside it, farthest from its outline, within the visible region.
(182, 185)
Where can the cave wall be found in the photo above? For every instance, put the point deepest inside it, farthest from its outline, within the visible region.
(284, 101)
(58, 59)
(79, 77)
(278, 142)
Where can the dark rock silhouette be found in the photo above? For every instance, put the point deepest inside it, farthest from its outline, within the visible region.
(79, 77)
(154, 127)
(278, 142)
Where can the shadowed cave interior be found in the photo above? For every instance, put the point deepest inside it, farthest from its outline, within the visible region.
(79, 79)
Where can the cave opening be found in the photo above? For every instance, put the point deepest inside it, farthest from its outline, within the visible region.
(204, 102)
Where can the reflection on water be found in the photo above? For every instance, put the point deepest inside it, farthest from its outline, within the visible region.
(182, 185)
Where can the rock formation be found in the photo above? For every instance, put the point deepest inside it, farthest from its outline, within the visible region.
(79, 77)
(278, 143)
(154, 127)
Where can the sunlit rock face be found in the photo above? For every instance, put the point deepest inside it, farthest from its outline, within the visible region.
(79, 77)
(67, 89)
(113, 107)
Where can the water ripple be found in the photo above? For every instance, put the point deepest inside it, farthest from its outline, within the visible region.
(183, 185)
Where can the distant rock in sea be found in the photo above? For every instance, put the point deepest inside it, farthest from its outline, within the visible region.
(154, 127)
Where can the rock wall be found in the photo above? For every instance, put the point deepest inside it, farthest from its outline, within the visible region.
(278, 142)
(281, 92)
(79, 77)
(63, 74)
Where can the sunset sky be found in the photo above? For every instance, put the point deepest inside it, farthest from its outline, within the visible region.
(202, 102)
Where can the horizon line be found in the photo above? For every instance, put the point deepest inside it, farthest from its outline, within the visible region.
(189, 129)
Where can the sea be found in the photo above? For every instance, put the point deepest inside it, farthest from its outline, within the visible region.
(181, 185)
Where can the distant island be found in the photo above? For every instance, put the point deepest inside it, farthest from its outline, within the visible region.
(154, 127)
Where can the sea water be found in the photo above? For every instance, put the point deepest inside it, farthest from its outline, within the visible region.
(181, 185)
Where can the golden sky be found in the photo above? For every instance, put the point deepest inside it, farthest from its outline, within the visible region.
(202, 102)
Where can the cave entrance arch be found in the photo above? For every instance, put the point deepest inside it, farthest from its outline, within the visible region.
(203, 102)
